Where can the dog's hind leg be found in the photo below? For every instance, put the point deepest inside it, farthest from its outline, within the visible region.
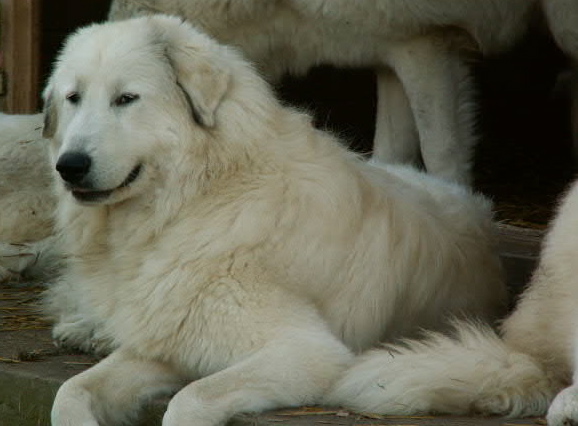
(112, 391)
(439, 88)
(396, 139)
(294, 371)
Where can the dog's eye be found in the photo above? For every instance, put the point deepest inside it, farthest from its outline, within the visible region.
(73, 97)
(126, 98)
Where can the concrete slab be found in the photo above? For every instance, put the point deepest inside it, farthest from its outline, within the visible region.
(32, 369)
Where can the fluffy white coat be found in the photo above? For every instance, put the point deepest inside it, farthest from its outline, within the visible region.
(27, 202)
(251, 255)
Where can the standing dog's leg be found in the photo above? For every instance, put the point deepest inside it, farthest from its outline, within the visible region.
(396, 139)
(439, 88)
(561, 16)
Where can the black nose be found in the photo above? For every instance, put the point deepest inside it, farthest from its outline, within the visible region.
(73, 166)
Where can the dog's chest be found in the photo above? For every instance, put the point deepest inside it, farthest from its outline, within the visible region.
(165, 296)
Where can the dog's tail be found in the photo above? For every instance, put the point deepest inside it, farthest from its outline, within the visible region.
(473, 372)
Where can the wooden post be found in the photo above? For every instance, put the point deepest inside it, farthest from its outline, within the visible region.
(20, 55)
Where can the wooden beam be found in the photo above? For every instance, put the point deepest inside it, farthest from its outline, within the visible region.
(20, 55)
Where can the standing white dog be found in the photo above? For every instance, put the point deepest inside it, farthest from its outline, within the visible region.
(477, 371)
(425, 94)
(232, 252)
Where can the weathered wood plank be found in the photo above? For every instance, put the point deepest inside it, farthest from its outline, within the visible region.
(20, 44)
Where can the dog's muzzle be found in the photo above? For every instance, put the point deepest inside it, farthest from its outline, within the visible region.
(74, 167)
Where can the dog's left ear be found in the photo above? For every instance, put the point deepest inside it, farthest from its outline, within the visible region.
(203, 82)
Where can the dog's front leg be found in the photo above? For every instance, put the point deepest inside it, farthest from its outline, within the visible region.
(111, 392)
(438, 85)
(396, 139)
(294, 371)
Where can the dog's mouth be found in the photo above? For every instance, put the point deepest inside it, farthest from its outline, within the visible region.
(86, 195)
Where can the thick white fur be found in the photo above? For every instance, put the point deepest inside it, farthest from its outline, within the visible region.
(477, 371)
(425, 108)
(253, 252)
(26, 202)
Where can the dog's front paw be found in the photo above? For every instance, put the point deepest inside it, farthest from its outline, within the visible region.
(564, 409)
(72, 407)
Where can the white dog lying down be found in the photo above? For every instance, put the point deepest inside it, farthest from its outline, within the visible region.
(232, 252)
(27, 202)
(425, 95)
(519, 374)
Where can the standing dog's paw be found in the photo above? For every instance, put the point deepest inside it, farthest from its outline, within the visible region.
(564, 409)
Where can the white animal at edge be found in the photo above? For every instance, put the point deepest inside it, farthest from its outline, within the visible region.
(27, 202)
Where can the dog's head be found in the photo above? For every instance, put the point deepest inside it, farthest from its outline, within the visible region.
(124, 94)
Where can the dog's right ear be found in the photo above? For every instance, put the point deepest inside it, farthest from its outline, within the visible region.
(50, 115)
(203, 80)
(203, 83)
